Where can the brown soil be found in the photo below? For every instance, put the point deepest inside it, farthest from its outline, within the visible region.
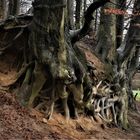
(19, 123)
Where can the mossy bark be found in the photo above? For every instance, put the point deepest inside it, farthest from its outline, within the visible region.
(47, 36)
(106, 46)
(120, 22)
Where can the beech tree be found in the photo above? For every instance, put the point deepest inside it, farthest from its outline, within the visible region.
(129, 52)
(52, 69)
(78, 13)
(63, 56)
(120, 59)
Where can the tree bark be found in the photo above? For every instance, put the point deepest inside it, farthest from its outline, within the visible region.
(78, 13)
(106, 46)
(2, 9)
(133, 64)
(127, 62)
(70, 7)
(76, 35)
(132, 35)
(13, 8)
(47, 35)
(120, 22)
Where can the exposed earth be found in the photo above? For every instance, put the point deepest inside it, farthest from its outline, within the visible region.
(20, 123)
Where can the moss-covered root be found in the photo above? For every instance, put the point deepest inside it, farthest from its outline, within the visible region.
(38, 82)
(25, 89)
(123, 115)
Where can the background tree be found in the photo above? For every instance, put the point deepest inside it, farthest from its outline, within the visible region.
(70, 6)
(13, 7)
(2, 9)
(129, 51)
(123, 59)
(120, 22)
(55, 62)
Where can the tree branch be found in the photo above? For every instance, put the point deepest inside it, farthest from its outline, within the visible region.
(78, 34)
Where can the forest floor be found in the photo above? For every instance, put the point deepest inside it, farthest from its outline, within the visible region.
(20, 123)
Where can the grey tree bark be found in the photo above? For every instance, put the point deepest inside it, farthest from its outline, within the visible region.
(70, 7)
(129, 53)
(78, 13)
(118, 63)
(106, 46)
(51, 45)
(2, 9)
(14, 7)
(120, 22)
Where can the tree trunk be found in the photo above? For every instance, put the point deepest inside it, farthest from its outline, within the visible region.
(133, 65)
(132, 35)
(106, 46)
(2, 9)
(14, 6)
(50, 47)
(127, 62)
(70, 7)
(85, 5)
(78, 14)
(120, 22)
(48, 35)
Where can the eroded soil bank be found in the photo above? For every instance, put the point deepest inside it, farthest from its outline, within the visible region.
(19, 123)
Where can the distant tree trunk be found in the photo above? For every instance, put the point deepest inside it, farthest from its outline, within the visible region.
(118, 64)
(78, 13)
(2, 9)
(127, 63)
(96, 21)
(85, 4)
(70, 7)
(51, 45)
(120, 22)
(14, 6)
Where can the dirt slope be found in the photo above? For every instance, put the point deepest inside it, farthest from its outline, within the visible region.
(19, 123)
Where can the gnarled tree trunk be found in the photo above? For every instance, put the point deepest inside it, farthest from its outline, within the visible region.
(70, 7)
(106, 46)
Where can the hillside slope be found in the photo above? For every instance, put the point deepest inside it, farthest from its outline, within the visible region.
(19, 123)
